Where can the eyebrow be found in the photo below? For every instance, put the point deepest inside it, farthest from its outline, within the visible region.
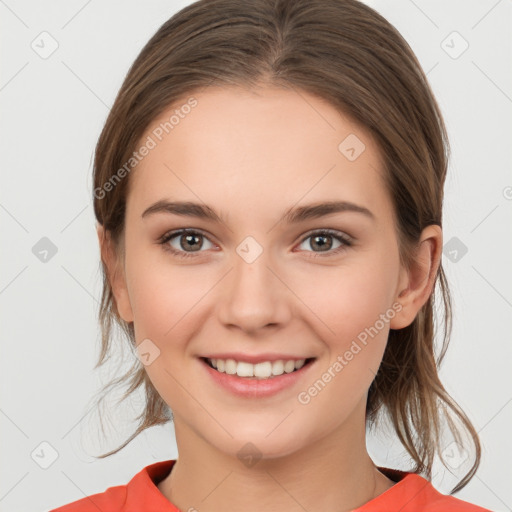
(291, 216)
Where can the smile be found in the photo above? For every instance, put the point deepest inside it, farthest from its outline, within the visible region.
(262, 370)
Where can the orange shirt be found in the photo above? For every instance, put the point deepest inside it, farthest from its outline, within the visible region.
(411, 493)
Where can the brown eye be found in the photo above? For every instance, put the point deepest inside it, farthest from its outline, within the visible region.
(324, 241)
(184, 242)
(190, 241)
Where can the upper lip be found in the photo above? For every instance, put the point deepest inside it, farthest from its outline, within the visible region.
(256, 358)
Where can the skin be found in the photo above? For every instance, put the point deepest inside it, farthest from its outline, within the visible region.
(251, 155)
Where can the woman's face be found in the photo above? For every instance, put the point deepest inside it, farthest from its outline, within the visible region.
(262, 280)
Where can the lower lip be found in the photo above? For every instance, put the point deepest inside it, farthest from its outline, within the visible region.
(248, 387)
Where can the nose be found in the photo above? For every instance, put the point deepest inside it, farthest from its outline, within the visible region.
(254, 296)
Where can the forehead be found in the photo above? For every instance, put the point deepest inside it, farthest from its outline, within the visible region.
(254, 148)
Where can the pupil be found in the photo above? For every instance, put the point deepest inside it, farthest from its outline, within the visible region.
(190, 238)
(323, 246)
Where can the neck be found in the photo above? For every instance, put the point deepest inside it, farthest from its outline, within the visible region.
(331, 473)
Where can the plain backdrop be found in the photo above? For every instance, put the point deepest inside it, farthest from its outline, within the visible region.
(62, 63)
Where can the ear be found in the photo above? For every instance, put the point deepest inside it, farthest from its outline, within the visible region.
(115, 274)
(416, 284)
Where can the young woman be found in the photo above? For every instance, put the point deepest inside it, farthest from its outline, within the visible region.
(268, 189)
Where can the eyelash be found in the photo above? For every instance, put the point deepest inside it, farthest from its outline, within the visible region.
(344, 239)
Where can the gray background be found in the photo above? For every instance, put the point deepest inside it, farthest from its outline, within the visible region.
(53, 108)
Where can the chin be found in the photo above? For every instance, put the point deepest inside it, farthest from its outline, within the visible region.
(258, 446)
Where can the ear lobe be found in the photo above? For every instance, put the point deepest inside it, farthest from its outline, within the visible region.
(420, 279)
(115, 274)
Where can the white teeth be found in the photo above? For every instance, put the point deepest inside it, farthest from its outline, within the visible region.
(245, 369)
(289, 366)
(230, 366)
(277, 367)
(262, 370)
(299, 364)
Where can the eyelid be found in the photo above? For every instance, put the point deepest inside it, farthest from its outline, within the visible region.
(173, 233)
(344, 239)
(327, 231)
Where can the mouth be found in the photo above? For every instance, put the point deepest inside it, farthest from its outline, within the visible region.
(266, 370)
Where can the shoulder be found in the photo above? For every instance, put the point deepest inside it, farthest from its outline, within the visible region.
(440, 502)
(140, 493)
(112, 500)
(414, 493)
(434, 501)
(452, 504)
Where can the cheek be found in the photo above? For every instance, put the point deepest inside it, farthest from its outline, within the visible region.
(353, 318)
(348, 299)
(163, 295)
(165, 300)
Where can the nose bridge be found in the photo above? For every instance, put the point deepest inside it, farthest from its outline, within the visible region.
(255, 297)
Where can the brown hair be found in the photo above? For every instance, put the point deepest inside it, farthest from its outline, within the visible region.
(346, 53)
